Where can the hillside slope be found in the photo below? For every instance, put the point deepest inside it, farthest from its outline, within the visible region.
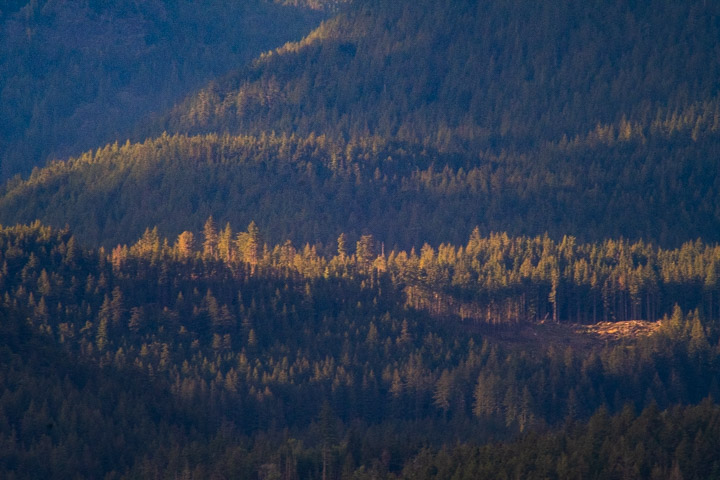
(501, 73)
(312, 189)
(416, 121)
(363, 328)
(207, 357)
(74, 75)
(63, 416)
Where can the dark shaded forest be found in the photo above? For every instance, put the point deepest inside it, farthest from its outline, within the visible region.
(597, 120)
(467, 239)
(312, 189)
(75, 75)
(651, 444)
(290, 360)
(475, 75)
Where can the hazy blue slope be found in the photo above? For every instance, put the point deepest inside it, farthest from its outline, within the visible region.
(74, 75)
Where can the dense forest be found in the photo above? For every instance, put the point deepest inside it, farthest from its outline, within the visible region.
(466, 239)
(476, 74)
(333, 361)
(653, 445)
(74, 75)
(596, 120)
(311, 189)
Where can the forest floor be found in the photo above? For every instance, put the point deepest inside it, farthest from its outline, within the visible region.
(575, 335)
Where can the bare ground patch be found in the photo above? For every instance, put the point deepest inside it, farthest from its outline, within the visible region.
(573, 334)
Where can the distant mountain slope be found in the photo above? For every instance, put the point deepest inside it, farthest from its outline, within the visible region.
(416, 121)
(659, 188)
(74, 75)
(474, 73)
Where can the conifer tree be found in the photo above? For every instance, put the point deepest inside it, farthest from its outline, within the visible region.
(210, 238)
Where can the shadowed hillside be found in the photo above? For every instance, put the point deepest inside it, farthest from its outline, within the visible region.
(212, 355)
(503, 73)
(481, 235)
(418, 121)
(74, 75)
(312, 189)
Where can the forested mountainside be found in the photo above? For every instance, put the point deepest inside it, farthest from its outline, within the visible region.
(661, 189)
(679, 443)
(483, 239)
(418, 121)
(75, 75)
(213, 355)
(469, 74)
(62, 416)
